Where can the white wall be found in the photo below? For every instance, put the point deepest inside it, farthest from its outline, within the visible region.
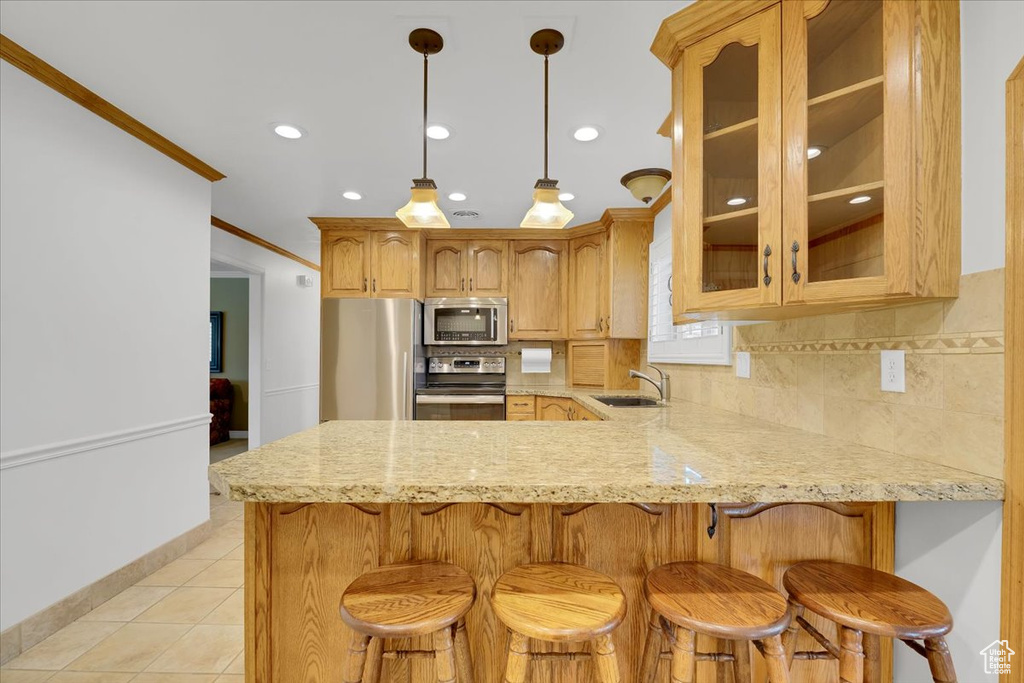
(992, 42)
(288, 385)
(104, 291)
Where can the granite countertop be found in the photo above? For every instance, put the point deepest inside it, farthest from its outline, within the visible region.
(680, 453)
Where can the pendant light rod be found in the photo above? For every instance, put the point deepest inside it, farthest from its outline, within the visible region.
(427, 42)
(424, 114)
(545, 117)
(546, 42)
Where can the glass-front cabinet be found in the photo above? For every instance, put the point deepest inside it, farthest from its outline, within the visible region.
(816, 148)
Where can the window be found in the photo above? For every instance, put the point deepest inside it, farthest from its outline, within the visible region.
(216, 341)
(705, 343)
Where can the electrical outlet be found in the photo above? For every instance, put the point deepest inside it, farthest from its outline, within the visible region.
(743, 364)
(894, 372)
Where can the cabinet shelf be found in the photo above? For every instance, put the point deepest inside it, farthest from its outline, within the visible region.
(732, 152)
(831, 211)
(733, 228)
(833, 116)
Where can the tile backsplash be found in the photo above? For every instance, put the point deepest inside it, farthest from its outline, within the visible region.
(822, 374)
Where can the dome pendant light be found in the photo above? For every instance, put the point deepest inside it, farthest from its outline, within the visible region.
(646, 183)
(422, 210)
(547, 211)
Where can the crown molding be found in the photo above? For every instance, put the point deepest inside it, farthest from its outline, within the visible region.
(259, 241)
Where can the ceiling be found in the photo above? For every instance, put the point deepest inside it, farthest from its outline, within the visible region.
(214, 76)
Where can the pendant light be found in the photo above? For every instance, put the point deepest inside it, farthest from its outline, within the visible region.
(422, 210)
(547, 211)
(647, 183)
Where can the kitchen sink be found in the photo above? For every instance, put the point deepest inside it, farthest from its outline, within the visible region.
(628, 402)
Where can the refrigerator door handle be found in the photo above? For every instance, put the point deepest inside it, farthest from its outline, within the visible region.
(405, 385)
(459, 400)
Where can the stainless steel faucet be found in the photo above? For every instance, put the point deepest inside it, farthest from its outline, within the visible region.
(663, 386)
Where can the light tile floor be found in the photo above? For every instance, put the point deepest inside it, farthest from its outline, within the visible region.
(180, 624)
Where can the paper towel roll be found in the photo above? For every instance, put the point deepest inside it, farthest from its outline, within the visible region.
(536, 360)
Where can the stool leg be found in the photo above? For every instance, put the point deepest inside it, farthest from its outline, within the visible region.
(939, 660)
(356, 659)
(652, 649)
(444, 656)
(374, 661)
(851, 656)
(793, 632)
(518, 658)
(606, 663)
(775, 659)
(741, 662)
(872, 658)
(463, 659)
(684, 659)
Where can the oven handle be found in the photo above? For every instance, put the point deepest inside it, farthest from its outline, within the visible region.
(459, 400)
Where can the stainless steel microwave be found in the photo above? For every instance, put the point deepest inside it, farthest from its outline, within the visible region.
(465, 322)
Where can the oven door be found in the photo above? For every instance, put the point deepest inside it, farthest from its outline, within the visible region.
(466, 322)
(460, 407)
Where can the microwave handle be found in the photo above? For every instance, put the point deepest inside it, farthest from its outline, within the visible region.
(494, 324)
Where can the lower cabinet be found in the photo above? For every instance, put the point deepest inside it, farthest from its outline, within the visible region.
(547, 408)
(554, 408)
(300, 557)
(520, 408)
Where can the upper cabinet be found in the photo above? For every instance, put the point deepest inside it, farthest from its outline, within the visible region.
(371, 264)
(539, 291)
(608, 278)
(816, 154)
(467, 268)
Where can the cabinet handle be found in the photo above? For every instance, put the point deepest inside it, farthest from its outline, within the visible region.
(471, 284)
(670, 283)
(462, 287)
(600, 324)
(364, 284)
(795, 248)
(374, 284)
(767, 253)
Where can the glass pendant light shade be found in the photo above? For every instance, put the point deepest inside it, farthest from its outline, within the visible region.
(422, 210)
(647, 183)
(547, 211)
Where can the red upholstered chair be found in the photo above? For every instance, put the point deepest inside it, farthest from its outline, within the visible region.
(220, 406)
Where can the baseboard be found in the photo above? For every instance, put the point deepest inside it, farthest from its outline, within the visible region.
(238, 435)
(36, 628)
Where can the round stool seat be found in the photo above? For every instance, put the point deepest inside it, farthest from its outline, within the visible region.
(406, 600)
(555, 601)
(868, 600)
(716, 600)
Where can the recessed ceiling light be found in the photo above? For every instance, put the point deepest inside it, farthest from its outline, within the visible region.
(814, 151)
(736, 201)
(457, 197)
(586, 133)
(566, 197)
(436, 131)
(288, 131)
(351, 195)
(861, 199)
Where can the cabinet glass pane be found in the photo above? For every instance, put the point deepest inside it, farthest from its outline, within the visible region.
(845, 221)
(730, 170)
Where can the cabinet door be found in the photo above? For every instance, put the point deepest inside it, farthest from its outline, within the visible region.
(396, 265)
(583, 414)
(446, 268)
(554, 409)
(346, 265)
(537, 298)
(588, 287)
(730, 92)
(848, 122)
(487, 268)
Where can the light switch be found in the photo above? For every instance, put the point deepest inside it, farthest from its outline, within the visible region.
(743, 364)
(894, 373)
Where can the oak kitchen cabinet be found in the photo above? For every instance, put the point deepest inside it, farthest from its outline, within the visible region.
(817, 144)
(371, 264)
(539, 289)
(603, 363)
(467, 268)
(548, 409)
(608, 278)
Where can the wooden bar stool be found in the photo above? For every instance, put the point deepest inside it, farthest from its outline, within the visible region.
(405, 601)
(867, 604)
(690, 598)
(559, 603)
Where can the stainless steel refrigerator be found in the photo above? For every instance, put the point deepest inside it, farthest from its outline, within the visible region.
(371, 358)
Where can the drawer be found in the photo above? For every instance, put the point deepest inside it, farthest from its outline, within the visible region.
(521, 404)
(520, 417)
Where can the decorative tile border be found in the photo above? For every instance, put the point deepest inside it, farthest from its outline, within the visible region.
(974, 342)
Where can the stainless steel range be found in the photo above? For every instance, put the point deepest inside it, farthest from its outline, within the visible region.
(463, 388)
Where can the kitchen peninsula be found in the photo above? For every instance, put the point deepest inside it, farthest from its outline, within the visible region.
(621, 495)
